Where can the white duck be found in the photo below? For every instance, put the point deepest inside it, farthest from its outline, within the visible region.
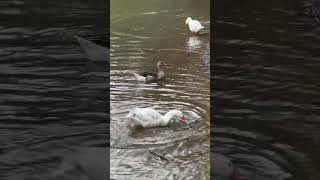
(148, 117)
(194, 25)
(152, 76)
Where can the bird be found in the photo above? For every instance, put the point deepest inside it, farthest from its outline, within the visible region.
(152, 76)
(148, 118)
(194, 25)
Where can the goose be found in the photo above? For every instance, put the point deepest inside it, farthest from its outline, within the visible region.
(148, 117)
(151, 76)
(194, 25)
(93, 51)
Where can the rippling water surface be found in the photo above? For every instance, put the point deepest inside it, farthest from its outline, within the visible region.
(266, 88)
(143, 32)
(52, 97)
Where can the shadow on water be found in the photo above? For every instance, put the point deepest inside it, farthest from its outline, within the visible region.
(266, 75)
(52, 97)
(143, 33)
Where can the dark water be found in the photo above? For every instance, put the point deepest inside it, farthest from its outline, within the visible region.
(52, 97)
(266, 88)
(143, 32)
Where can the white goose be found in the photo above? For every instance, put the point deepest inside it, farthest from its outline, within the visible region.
(194, 25)
(151, 76)
(148, 117)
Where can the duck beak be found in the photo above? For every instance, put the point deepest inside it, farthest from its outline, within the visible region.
(183, 119)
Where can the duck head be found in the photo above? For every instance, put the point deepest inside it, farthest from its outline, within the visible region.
(161, 64)
(188, 19)
(175, 116)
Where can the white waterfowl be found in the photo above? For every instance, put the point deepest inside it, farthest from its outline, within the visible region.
(152, 76)
(194, 25)
(148, 117)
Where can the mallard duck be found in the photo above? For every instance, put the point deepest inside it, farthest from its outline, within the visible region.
(151, 76)
(194, 25)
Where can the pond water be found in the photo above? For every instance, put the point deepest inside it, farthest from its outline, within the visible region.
(266, 88)
(142, 33)
(52, 97)
(266, 71)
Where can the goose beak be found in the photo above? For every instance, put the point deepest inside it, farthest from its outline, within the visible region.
(183, 119)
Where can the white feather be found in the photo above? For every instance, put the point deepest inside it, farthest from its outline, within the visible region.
(139, 77)
(148, 117)
(194, 25)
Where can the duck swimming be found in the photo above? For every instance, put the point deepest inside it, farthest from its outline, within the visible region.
(148, 117)
(194, 25)
(152, 76)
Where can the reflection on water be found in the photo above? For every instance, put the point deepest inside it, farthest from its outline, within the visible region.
(266, 83)
(51, 96)
(194, 42)
(143, 33)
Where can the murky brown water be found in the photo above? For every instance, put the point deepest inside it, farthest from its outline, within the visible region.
(143, 32)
